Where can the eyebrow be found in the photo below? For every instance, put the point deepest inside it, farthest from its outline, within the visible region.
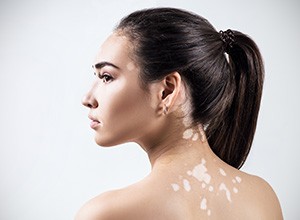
(103, 64)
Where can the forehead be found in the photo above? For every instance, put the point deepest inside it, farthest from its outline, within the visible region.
(115, 49)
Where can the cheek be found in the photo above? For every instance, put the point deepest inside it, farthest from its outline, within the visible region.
(126, 111)
(130, 106)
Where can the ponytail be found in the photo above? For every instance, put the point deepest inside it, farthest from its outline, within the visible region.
(231, 135)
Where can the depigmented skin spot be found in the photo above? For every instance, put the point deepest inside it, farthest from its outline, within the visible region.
(238, 179)
(188, 133)
(195, 137)
(209, 212)
(222, 172)
(186, 185)
(200, 172)
(175, 187)
(130, 66)
(203, 204)
(224, 188)
(235, 190)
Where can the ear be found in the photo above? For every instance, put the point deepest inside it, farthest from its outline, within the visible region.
(171, 86)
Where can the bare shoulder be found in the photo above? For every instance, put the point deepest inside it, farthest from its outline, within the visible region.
(112, 205)
(98, 208)
(263, 202)
(133, 202)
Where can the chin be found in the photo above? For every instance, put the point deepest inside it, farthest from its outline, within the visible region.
(106, 142)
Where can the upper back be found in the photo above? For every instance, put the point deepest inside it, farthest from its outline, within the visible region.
(203, 191)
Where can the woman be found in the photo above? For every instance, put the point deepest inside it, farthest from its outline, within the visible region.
(189, 96)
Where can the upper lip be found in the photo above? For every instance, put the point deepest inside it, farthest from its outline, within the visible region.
(93, 118)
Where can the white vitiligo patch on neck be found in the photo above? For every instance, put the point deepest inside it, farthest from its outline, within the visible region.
(228, 194)
(186, 121)
(187, 134)
(186, 185)
(200, 172)
(195, 137)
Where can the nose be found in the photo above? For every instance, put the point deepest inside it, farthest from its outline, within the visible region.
(89, 100)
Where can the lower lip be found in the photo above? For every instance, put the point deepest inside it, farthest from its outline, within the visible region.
(94, 124)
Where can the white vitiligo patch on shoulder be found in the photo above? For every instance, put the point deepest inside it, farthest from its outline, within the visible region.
(188, 133)
(222, 172)
(227, 192)
(175, 187)
(186, 185)
(200, 172)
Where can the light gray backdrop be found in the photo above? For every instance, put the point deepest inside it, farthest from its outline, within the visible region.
(49, 163)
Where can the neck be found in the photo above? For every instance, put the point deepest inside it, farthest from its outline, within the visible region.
(181, 144)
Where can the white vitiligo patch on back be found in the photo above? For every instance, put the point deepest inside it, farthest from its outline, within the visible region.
(175, 187)
(235, 190)
(223, 187)
(186, 185)
(208, 212)
(200, 172)
(203, 204)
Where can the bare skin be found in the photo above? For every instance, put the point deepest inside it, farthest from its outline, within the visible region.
(187, 180)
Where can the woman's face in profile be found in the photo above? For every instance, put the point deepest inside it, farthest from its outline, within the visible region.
(120, 110)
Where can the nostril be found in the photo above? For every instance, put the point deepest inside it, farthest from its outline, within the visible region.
(89, 101)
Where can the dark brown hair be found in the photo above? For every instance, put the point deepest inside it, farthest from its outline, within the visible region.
(225, 91)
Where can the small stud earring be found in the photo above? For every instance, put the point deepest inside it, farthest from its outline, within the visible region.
(166, 109)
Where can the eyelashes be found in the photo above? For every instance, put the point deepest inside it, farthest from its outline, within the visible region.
(105, 77)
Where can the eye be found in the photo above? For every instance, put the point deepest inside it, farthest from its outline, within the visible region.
(105, 77)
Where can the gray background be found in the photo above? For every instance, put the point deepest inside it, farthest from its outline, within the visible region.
(49, 163)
